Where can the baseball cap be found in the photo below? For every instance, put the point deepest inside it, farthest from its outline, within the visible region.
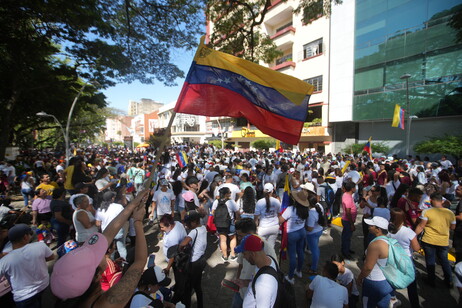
(377, 221)
(191, 216)
(73, 273)
(188, 196)
(18, 231)
(250, 242)
(268, 187)
(108, 195)
(154, 275)
(163, 182)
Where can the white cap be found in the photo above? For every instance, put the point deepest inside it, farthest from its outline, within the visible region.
(309, 187)
(268, 187)
(377, 221)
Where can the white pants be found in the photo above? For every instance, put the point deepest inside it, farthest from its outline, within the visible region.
(269, 234)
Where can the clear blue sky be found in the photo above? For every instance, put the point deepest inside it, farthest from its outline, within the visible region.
(119, 96)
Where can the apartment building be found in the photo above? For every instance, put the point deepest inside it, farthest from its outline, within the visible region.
(144, 106)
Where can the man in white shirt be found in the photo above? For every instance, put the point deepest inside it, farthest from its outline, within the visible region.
(325, 292)
(163, 201)
(445, 163)
(235, 191)
(266, 285)
(25, 267)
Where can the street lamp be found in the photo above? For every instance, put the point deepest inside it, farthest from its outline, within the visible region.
(408, 109)
(44, 114)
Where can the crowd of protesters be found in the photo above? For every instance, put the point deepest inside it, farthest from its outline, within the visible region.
(259, 205)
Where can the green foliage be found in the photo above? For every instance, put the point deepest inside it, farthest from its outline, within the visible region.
(216, 143)
(357, 148)
(313, 9)
(448, 144)
(263, 144)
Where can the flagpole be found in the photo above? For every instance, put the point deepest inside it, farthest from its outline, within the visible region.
(161, 150)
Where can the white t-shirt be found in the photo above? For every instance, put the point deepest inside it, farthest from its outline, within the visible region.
(404, 237)
(234, 190)
(294, 223)
(174, 237)
(328, 293)
(141, 300)
(367, 209)
(107, 216)
(313, 221)
(163, 201)
(26, 270)
(199, 238)
(268, 218)
(230, 204)
(345, 279)
(266, 287)
(101, 183)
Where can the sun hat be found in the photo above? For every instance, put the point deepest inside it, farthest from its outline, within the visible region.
(188, 196)
(250, 242)
(301, 197)
(74, 272)
(377, 221)
(154, 275)
(309, 187)
(268, 187)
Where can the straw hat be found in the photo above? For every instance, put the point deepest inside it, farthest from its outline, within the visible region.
(301, 197)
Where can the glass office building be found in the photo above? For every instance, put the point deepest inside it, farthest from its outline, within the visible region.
(416, 37)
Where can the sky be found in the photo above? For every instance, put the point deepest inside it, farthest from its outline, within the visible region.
(119, 95)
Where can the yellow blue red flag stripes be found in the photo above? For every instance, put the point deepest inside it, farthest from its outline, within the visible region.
(284, 205)
(398, 117)
(368, 147)
(219, 84)
(182, 159)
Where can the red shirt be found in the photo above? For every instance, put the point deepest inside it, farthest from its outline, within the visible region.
(111, 275)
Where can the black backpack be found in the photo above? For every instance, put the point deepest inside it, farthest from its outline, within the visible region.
(286, 293)
(222, 219)
(182, 259)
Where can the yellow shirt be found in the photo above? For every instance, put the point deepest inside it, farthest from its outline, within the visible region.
(48, 187)
(68, 183)
(439, 220)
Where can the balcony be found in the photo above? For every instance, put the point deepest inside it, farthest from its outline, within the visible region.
(314, 131)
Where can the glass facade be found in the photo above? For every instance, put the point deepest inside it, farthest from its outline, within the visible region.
(397, 37)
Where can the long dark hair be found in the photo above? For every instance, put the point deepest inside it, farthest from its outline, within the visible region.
(300, 210)
(100, 173)
(268, 201)
(313, 200)
(223, 192)
(397, 219)
(402, 188)
(248, 200)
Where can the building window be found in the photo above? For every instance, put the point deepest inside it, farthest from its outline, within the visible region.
(312, 49)
(284, 59)
(316, 82)
(283, 27)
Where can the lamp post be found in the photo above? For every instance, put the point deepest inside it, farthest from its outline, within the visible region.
(44, 114)
(408, 110)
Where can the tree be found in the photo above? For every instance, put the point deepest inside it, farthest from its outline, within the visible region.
(236, 26)
(46, 47)
(216, 143)
(448, 145)
(357, 148)
(264, 144)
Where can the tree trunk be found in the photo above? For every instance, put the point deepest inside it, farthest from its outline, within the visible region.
(5, 126)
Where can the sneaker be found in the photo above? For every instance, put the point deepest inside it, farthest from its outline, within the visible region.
(291, 281)
(233, 258)
(224, 259)
(298, 274)
(394, 302)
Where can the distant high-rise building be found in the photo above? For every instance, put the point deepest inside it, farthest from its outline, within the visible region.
(144, 106)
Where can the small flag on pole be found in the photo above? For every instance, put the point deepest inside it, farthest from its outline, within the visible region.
(398, 117)
(284, 205)
(182, 159)
(368, 147)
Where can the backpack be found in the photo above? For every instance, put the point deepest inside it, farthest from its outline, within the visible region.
(286, 293)
(221, 215)
(399, 271)
(327, 200)
(182, 259)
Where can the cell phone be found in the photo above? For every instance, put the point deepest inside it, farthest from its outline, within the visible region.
(229, 284)
(151, 260)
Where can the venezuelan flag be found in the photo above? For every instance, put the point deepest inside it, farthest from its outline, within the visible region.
(182, 159)
(368, 148)
(398, 117)
(219, 84)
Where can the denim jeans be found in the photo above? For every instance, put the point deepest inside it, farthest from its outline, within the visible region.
(34, 301)
(26, 193)
(433, 251)
(376, 293)
(62, 230)
(347, 233)
(295, 246)
(237, 300)
(313, 243)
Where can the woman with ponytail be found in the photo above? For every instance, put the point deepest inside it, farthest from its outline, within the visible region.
(314, 226)
(266, 215)
(407, 238)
